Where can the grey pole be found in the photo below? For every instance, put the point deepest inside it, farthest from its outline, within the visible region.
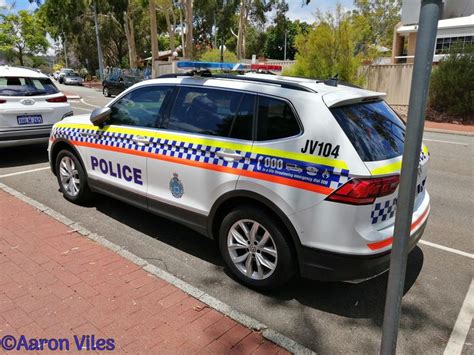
(99, 49)
(427, 29)
(284, 49)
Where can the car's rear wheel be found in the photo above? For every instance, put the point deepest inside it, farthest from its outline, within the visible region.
(72, 177)
(106, 91)
(255, 249)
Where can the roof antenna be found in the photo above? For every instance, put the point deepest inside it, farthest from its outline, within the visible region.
(332, 81)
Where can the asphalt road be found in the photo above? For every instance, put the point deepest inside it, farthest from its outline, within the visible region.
(326, 317)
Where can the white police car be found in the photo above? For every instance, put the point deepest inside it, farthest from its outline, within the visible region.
(29, 106)
(287, 174)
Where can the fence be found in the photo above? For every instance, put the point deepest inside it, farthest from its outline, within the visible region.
(394, 80)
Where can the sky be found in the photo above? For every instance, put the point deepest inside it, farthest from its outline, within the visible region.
(296, 11)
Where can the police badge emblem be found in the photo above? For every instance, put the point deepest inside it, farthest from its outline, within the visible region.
(176, 186)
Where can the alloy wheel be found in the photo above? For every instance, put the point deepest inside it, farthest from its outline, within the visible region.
(252, 249)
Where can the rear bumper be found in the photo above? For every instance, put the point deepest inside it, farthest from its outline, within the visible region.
(25, 136)
(326, 266)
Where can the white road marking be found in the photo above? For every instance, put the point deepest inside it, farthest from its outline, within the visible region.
(24, 172)
(451, 250)
(447, 142)
(462, 325)
(85, 103)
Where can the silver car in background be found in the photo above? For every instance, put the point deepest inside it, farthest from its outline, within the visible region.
(72, 78)
(29, 106)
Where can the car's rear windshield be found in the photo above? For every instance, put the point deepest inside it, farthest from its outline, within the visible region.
(23, 86)
(373, 128)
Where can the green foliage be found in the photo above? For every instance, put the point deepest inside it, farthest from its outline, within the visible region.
(452, 84)
(22, 33)
(275, 41)
(214, 55)
(327, 49)
(374, 21)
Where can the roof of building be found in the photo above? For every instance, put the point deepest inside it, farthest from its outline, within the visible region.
(457, 22)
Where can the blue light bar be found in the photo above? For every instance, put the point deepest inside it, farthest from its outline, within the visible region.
(210, 65)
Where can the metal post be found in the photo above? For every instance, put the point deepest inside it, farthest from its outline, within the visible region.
(284, 49)
(427, 29)
(99, 49)
(222, 33)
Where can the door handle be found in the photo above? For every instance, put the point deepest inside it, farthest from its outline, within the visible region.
(140, 140)
(229, 155)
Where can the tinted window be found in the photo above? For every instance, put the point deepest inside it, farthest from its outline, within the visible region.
(142, 107)
(212, 112)
(20, 86)
(275, 119)
(373, 128)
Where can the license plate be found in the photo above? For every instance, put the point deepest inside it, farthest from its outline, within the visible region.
(29, 119)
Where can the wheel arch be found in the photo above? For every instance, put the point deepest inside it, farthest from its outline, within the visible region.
(62, 144)
(230, 200)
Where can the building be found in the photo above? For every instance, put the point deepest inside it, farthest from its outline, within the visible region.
(455, 26)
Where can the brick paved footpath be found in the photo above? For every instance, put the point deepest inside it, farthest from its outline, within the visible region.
(55, 283)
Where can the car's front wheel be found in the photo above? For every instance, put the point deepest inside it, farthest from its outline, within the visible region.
(72, 177)
(255, 248)
(106, 91)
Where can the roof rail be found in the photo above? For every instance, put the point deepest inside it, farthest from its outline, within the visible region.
(208, 74)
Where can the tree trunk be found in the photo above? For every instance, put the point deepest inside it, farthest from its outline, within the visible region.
(153, 39)
(130, 34)
(183, 50)
(170, 30)
(20, 56)
(241, 34)
(188, 17)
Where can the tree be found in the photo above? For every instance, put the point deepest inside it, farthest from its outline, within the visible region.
(274, 45)
(374, 22)
(452, 86)
(327, 49)
(188, 18)
(22, 33)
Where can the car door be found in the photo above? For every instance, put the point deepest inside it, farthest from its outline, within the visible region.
(204, 144)
(117, 153)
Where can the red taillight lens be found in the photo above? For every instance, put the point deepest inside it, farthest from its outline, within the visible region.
(57, 99)
(2, 101)
(364, 191)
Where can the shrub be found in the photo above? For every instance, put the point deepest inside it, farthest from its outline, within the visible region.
(452, 83)
(214, 55)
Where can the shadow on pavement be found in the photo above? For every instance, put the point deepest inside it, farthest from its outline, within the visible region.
(23, 155)
(363, 300)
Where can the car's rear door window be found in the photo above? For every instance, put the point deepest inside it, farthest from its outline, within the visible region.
(213, 112)
(23, 86)
(275, 119)
(373, 128)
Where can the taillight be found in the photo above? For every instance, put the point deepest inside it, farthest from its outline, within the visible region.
(57, 99)
(2, 101)
(364, 191)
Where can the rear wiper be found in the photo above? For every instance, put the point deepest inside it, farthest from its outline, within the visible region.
(34, 93)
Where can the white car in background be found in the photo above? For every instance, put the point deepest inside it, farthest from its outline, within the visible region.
(29, 106)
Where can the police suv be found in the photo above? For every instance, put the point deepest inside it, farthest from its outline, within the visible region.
(289, 175)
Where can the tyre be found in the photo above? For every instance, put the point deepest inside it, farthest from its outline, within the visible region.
(106, 91)
(72, 177)
(255, 249)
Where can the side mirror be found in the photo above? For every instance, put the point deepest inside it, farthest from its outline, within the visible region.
(100, 115)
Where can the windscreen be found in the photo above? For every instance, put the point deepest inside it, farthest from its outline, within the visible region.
(21, 86)
(373, 128)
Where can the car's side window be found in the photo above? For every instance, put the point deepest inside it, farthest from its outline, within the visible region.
(275, 119)
(212, 112)
(142, 107)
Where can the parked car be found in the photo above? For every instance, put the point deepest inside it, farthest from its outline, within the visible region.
(62, 74)
(72, 78)
(115, 85)
(29, 106)
(56, 75)
(287, 174)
